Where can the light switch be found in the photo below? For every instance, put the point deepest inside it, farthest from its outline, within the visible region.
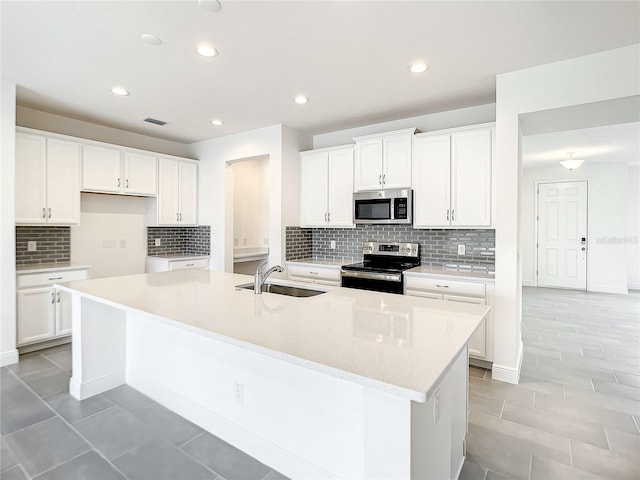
(158, 242)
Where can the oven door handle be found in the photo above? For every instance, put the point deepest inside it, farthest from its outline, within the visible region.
(389, 277)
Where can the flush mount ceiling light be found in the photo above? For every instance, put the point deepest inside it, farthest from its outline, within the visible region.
(150, 39)
(217, 122)
(418, 67)
(120, 91)
(206, 51)
(571, 163)
(301, 100)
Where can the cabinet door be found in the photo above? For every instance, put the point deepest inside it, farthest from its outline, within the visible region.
(478, 341)
(101, 169)
(431, 172)
(168, 193)
(396, 171)
(471, 178)
(314, 186)
(36, 314)
(63, 182)
(31, 174)
(63, 313)
(188, 193)
(368, 168)
(140, 174)
(340, 191)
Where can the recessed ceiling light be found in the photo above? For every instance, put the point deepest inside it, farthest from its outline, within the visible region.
(206, 51)
(217, 122)
(418, 67)
(301, 100)
(121, 91)
(150, 39)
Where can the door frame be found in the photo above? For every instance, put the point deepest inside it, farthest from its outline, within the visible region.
(535, 229)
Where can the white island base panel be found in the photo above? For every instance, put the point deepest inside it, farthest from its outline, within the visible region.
(301, 422)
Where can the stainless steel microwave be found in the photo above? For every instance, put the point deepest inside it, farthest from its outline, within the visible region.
(383, 206)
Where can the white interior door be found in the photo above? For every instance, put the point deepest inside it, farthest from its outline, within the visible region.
(562, 235)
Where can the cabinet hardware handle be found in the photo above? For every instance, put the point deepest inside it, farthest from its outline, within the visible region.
(328, 216)
(313, 273)
(58, 296)
(442, 286)
(380, 179)
(53, 297)
(180, 217)
(177, 216)
(126, 183)
(384, 178)
(447, 214)
(190, 264)
(118, 182)
(44, 212)
(453, 214)
(49, 212)
(55, 278)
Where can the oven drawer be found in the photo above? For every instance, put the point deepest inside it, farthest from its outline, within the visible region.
(321, 274)
(444, 287)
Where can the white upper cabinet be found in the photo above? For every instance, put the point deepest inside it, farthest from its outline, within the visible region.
(47, 180)
(326, 187)
(452, 178)
(177, 192)
(111, 170)
(383, 160)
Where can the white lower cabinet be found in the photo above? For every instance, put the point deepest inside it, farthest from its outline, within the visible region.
(475, 291)
(311, 273)
(163, 264)
(43, 311)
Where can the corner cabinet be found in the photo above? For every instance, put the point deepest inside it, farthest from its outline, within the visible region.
(383, 160)
(111, 170)
(452, 178)
(47, 180)
(326, 187)
(177, 192)
(43, 311)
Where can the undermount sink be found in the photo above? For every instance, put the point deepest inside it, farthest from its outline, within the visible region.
(284, 290)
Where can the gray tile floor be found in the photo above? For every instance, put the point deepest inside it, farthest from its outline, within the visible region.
(574, 415)
(48, 435)
(576, 412)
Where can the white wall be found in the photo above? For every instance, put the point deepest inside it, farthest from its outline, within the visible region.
(633, 229)
(606, 219)
(50, 122)
(592, 78)
(251, 203)
(215, 186)
(425, 123)
(111, 218)
(8, 352)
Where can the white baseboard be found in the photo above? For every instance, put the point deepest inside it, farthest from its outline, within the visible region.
(633, 286)
(608, 289)
(269, 453)
(508, 374)
(89, 389)
(528, 283)
(9, 358)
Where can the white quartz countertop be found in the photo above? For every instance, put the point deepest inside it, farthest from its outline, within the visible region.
(178, 256)
(50, 267)
(452, 272)
(396, 343)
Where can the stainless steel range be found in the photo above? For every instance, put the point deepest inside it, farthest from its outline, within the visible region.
(382, 267)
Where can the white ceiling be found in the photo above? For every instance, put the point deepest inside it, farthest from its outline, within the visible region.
(350, 58)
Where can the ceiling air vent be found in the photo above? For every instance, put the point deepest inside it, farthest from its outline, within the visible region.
(154, 121)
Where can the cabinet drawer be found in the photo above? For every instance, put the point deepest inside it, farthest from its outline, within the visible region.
(184, 264)
(320, 272)
(49, 278)
(445, 287)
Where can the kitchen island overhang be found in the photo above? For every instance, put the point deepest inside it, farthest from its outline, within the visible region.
(347, 384)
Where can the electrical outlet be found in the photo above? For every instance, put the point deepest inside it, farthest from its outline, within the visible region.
(333, 244)
(461, 250)
(158, 242)
(123, 243)
(238, 392)
(32, 246)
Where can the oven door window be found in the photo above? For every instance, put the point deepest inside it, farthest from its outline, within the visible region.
(378, 209)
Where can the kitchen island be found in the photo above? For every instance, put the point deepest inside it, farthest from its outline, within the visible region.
(346, 384)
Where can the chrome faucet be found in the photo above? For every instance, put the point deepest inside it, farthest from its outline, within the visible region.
(260, 277)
